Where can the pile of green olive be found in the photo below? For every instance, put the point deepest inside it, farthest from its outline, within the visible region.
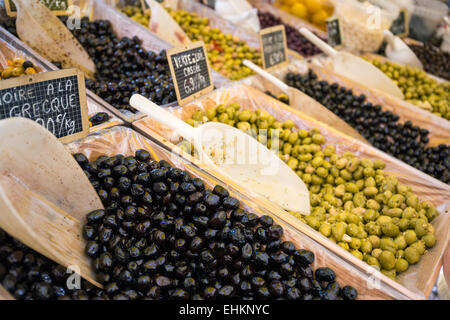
(354, 203)
(418, 87)
(136, 13)
(225, 51)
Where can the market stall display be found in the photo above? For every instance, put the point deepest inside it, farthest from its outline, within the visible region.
(189, 183)
(313, 11)
(253, 100)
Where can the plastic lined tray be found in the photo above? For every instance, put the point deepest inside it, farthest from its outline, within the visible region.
(417, 282)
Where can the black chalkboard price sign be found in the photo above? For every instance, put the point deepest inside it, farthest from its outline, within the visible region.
(400, 26)
(58, 7)
(273, 47)
(190, 71)
(334, 32)
(56, 100)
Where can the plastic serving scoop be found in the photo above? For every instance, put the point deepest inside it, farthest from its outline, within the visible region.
(307, 105)
(38, 27)
(355, 68)
(238, 156)
(44, 194)
(398, 51)
(162, 24)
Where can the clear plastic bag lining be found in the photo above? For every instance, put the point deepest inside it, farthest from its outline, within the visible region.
(419, 278)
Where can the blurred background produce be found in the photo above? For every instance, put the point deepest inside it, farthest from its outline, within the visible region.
(434, 60)
(425, 18)
(169, 236)
(313, 11)
(295, 40)
(354, 203)
(225, 51)
(419, 88)
(405, 141)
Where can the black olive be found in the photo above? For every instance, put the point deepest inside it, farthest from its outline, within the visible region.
(304, 257)
(349, 293)
(325, 274)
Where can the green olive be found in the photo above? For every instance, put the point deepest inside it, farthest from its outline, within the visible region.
(412, 255)
(387, 260)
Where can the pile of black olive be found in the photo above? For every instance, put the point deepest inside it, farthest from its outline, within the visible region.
(295, 40)
(163, 235)
(406, 141)
(124, 67)
(434, 61)
(28, 275)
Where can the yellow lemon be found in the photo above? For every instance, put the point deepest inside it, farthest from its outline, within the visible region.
(285, 8)
(313, 6)
(319, 17)
(289, 3)
(299, 10)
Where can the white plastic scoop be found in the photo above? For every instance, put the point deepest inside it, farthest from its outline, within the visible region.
(398, 51)
(355, 68)
(304, 103)
(238, 156)
(44, 194)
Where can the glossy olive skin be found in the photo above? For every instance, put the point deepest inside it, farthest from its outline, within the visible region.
(174, 239)
(405, 141)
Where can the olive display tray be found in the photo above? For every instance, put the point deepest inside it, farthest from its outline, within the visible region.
(438, 127)
(418, 281)
(12, 48)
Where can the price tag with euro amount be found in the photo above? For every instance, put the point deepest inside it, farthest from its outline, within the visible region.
(58, 7)
(190, 71)
(273, 47)
(56, 100)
